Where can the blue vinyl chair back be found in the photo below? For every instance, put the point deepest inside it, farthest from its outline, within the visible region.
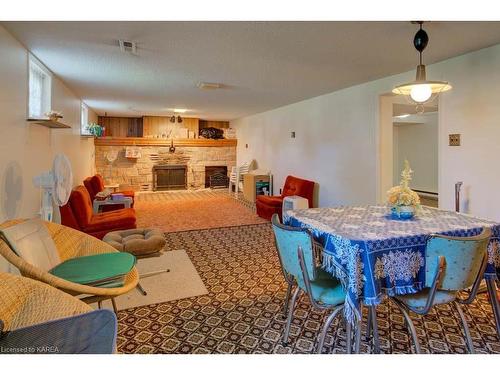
(463, 255)
(288, 240)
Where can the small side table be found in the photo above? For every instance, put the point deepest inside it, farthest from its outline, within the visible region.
(293, 202)
(126, 201)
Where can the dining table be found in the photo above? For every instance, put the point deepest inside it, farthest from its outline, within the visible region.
(376, 255)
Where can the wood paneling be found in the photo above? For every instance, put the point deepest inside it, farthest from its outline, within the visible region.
(139, 141)
(158, 125)
(121, 126)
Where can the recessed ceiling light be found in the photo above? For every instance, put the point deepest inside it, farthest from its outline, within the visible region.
(178, 110)
(208, 85)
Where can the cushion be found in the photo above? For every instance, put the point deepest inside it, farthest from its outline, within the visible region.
(418, 300)
(111, 220)
(275, 201)
(31, 241)
(327, 289)
(98, 270)
(139, 242)
(81, 205)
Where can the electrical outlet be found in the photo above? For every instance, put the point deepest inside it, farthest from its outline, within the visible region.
(246, 145)
(454, 139)
(292, 134)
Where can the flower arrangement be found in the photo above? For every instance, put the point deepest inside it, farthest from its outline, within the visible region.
(403, 200)
(95, 129)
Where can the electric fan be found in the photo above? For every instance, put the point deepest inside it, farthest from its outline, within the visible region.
(56, 185)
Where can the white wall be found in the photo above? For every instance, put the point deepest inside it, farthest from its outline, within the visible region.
(339, 142)
(28, 149)
(417, 143)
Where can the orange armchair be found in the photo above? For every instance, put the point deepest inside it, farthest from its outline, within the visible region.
(269, 205)
(95, 184)
(77, 214)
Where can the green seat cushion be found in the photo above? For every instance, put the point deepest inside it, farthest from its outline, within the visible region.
(418, 300)
(104, 270)
(327, 288)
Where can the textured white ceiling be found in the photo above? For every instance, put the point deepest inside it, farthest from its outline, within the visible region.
(264, 65)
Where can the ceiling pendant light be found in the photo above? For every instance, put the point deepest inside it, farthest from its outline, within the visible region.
(421, 91)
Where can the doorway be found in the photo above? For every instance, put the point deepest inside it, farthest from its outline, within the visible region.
(408, 135)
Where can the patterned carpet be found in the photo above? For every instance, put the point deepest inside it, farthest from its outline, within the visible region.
(173, 211)
(242, 312)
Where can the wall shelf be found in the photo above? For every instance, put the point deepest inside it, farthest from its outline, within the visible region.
(49, 123)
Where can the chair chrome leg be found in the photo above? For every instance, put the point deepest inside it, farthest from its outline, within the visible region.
(409, 324)
(287, 299)
(490, 283)
(290, 316)
(141, 289)
(348, 338)
(470, 344)
(114, 306)
(327, 324)
(372, 310)
(357, 341)
(99, 304)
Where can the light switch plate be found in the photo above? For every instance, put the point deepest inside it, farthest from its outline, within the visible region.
(454, 139)
(292, 134)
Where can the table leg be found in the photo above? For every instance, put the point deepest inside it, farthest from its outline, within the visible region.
(372, 310)
(490, 283)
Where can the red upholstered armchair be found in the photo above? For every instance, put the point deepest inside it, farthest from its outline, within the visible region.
(77, 214)
(267, 206)
(95, 184)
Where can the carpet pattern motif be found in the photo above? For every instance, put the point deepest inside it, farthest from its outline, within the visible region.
(174, 211)
(242, 312)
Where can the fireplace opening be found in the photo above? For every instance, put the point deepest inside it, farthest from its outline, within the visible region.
(216, 176)
(169, 177)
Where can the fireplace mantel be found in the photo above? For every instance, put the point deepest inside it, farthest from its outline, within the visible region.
(135, 141)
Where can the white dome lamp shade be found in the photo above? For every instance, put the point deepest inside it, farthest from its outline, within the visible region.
(421, 91)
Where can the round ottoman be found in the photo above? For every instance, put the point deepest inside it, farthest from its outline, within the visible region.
(139, 242)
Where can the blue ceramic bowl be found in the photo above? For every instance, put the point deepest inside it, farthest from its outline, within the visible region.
(405, 213)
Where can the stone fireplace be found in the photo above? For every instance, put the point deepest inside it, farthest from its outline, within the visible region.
(137, 174)
(169, 177)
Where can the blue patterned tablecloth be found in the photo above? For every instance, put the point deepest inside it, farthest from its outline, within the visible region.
(374, 255)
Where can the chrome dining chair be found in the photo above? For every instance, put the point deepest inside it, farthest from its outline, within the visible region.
(453, 264)
(297, 259)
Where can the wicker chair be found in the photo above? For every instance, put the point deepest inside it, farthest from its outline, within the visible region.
(70, 243)
(25, 302)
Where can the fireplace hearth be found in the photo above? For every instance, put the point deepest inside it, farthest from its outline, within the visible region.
(169, 177)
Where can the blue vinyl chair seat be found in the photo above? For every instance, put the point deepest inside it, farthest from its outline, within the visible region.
(418, 300)
(327, 289)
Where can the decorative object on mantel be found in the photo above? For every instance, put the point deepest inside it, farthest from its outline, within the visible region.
(212, 133)
(229, 133)
(95, 129)
(132, 152)
(421, 91)
(171, 149)
(111, 156)
(54, 115)
(404, 202)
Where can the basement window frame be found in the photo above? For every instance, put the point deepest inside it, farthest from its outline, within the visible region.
(84, 120)
(44, 99)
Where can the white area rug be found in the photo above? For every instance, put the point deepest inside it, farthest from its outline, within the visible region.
(181, 282)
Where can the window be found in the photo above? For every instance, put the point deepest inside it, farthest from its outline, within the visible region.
(84, 119)
(40, 89)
